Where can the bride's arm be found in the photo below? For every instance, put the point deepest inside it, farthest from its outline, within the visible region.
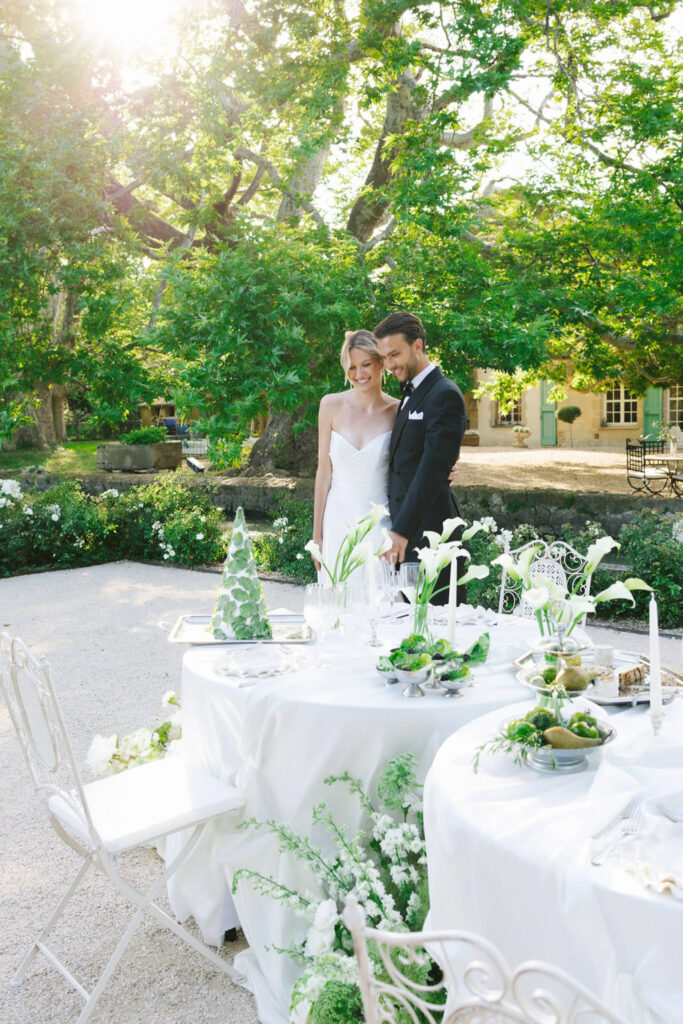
(323, 476)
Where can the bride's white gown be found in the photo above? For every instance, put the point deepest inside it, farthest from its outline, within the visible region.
(359, 476)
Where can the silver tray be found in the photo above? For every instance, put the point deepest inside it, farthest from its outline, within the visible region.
(287, 629)
(622, 659)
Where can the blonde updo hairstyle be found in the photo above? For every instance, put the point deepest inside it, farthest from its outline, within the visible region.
(364, 340)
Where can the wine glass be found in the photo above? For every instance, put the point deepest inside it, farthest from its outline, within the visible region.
(407, 580)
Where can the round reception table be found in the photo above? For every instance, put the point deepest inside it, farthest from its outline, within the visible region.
(509, 857)
(278, 738)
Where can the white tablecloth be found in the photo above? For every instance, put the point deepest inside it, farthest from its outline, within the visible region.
(278, 740)
(509, 858)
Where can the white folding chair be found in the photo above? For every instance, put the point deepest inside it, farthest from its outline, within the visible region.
(556, 561)
(102, 819)
(473, 983)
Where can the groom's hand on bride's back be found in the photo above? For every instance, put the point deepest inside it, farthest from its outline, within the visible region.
(397, 551)
(454, 472)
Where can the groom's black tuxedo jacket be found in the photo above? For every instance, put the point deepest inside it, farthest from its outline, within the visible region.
(425, 443)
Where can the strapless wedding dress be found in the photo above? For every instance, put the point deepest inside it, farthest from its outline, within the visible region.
(359, 476)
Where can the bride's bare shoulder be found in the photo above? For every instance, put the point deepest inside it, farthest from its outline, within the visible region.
(333, 401)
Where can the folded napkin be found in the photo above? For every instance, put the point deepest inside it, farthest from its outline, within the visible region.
(656, 858)
(257, 661)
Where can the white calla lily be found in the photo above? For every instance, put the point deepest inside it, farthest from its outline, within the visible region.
(538, 598)
(474, 529)
(635, 583)
(376, 513)
(433, 539)
(450, 525)
(580, 605)
(385, 543)
(430, 562)
(597, 551)
(524, 563)
(507, 563)
(617, 592)
(474, 572)
(314, 550)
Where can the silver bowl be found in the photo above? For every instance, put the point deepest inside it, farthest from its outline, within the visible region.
(387, 675)
(454, 686)
(550, 760)
(413, 678)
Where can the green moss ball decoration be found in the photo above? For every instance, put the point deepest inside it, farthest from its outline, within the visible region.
(338, 1003)
(240, 612)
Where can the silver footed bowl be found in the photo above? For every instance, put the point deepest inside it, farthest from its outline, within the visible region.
(555, 759)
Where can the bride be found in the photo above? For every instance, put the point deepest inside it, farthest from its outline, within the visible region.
(354, 430)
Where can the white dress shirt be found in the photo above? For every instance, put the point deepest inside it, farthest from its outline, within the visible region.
(417, 380)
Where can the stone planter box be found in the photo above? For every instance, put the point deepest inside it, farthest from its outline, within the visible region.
(471, 442)
(131, 458)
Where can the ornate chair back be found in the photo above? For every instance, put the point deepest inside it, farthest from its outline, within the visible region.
(472, 983)
(37, 717)
(558, 561)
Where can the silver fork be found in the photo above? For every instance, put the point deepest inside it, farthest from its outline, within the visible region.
(628, 827)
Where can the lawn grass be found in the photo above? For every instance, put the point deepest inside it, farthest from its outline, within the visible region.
(75, 457)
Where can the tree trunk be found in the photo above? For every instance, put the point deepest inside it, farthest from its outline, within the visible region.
(281, 449)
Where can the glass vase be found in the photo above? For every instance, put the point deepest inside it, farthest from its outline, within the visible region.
(421, 620)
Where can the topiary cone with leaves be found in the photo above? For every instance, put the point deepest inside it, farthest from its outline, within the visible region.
(240, 612)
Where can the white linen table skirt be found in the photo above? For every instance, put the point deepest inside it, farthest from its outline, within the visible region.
(509, 858)
(277, 740)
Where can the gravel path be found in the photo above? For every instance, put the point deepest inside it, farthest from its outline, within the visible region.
(111, 663)
(595, 470)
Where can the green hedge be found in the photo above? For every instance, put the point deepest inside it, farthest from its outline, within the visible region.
(63, 526)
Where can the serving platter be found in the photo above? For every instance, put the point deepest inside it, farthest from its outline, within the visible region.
(286, 629)
(672, 681)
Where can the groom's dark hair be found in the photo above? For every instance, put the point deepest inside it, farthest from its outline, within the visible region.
(402, 322)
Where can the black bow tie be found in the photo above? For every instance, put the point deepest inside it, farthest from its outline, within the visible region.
(407, 387)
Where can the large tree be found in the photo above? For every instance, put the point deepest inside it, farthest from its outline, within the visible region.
(224, 208)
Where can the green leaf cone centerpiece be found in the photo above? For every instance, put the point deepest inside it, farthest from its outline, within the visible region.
(240, 612)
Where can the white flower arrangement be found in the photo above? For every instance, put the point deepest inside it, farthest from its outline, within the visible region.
(385, 868)
(520, 428)
(355, 549)
(109, 754)
(555, 605)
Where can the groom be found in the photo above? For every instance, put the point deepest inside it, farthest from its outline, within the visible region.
(425, 442)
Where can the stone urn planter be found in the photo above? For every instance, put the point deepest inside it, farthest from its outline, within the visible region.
(520, 438)
(131, 458)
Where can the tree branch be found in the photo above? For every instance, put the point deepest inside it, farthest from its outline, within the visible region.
(243, 153)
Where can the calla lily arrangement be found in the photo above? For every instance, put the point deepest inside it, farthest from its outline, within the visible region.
(554, 605)
(355, 549)
(440, 554)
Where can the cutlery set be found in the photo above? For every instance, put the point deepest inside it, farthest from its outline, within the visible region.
(627, 823)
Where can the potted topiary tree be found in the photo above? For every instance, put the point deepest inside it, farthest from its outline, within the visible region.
(567, 414)
(144, 449)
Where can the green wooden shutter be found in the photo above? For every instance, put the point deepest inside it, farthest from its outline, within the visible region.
(548, 421)
(653, 411)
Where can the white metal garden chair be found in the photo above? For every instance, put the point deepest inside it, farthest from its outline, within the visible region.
(474, 985)
(102, 819)
(556, 561)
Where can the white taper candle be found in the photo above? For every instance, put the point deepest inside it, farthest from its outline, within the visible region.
(452, 600)
(656, 710)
